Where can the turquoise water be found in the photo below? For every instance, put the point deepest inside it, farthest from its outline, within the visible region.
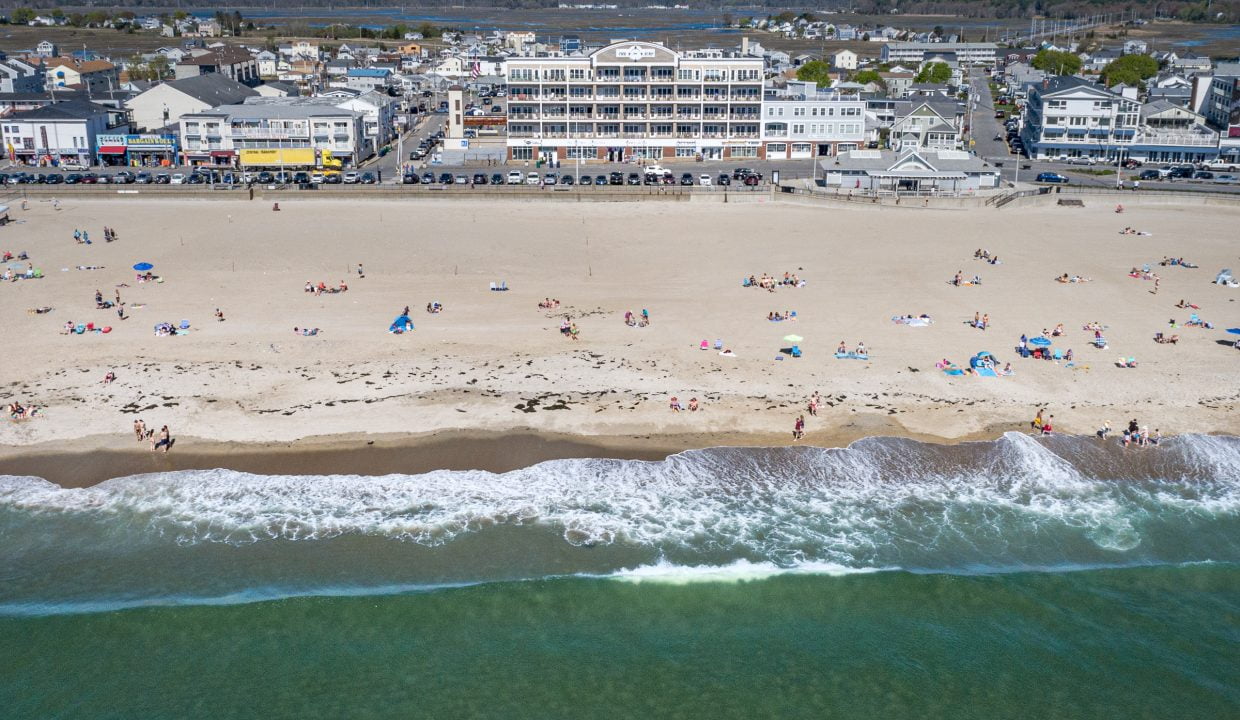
(1058, 578)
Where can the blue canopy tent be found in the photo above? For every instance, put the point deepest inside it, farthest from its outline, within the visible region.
(401, 324)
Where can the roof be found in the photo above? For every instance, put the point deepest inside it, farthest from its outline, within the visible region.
(260, 108)
(88, 66)
(886, 163)
(222, 56)
(369, 72)
(68, 110)
(213, 89)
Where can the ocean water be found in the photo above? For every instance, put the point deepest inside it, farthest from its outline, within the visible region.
(1060, 577)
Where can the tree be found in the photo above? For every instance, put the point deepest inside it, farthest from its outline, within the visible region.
(865, 77)
(1129, 70)
(22, 16)
(1057, 62)
(815, 71)
(937, 73)
(938, 31)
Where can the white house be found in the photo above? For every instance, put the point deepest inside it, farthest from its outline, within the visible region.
(844, 60)
(65, 132)
(802, 121)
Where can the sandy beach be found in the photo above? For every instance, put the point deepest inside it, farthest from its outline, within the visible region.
(494, 362)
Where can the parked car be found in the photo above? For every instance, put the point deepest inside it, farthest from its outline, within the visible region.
(601, 180)
(724, 179)
(352, 177)
(160, 178)
(428, 178)
(704, 180)
(497, 179)
(301, 178)
(1149, 175)
(55, 178)
(633, 179)
(1050, 177)
(566, 180)
(143, 178)
(515, 177)
(87, 179)
(1081, 160)
(480, 179)
(585, 180)
(316, 178)
(74, 166)
(753, 179)
(616, 178)
(265, 177)
(1203, 175)
(1181, 171)
(1224, 178)
(999, 114)
(332, 178)
(686, 179)
(462, 179)
(533, 179)
(549, 179)
(123, 177)
(284, 177)
(741, 173)
(368, 178)
(446, 179)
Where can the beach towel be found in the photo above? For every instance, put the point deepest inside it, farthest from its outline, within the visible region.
(953, 370)
(851, 356)
(986, 372)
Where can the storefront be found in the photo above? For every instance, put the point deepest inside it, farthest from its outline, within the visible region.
(137, 150)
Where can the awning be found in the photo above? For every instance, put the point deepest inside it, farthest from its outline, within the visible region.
(222, 153)
(112, 150)
(1076, 131)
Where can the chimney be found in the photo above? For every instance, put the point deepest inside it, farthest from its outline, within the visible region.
(744, 46)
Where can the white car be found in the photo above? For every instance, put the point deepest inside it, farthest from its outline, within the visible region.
(655, 170)
(73, 166)
(177, 179)
(533, 179)
(515, 178)
(317, 178)
(351, 178)
(704, 180)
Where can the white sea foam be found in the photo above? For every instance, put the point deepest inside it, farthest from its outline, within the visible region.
(667, 573)
(879, 503)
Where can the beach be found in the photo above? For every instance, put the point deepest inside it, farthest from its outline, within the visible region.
(495, 362)
(485, 517)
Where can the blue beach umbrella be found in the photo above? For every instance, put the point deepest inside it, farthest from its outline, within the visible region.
(143, 266)
(1040, 341)
(1234, 331)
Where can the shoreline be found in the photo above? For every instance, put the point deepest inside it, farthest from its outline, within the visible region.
(103, 457)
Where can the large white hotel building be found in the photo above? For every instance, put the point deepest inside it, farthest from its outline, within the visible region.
(634, 100)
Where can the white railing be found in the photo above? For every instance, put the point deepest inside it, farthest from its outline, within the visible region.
(1187, 139)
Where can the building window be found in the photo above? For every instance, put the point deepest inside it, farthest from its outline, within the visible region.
(744, 152)
(686, 152)
(798, 129)
(523, 153)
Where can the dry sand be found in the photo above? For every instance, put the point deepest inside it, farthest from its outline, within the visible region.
(495, 362)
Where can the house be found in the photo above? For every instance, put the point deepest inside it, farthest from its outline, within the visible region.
(410, 48)
(378, 116)
(164, 104)
(844, 60)
(20, 76)
(802, 121)
(366, 79)
(1071, 117)
(1135, 47)
(234, 63)
(899, 84)
(1191, 65)
(267, 64)
(921, 171)
(46, 48)
(927, 122)
(1098, 60)
(90, 74)
(337, 69)
(63, 132)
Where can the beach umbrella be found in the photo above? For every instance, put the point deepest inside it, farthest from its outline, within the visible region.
(1040, 341)
(142, 266)
(17, 265)
(793, 338)
(1234, 331)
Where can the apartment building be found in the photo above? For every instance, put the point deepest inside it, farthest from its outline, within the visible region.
(803, 121)
(632, 100)
(216, 136)
(1072, 117)
(915, 52)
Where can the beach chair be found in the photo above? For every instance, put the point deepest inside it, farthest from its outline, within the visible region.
(1057, 355)
(793, 316)
(796, 351)
(503, 286)
(718, 344)
(494, 287)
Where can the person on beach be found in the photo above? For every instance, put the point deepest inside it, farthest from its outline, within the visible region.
(798, 428)
(360, 273)
(693, 404)
(1104, 430)
(674, 404)
(219, 315)
(1048, 426)
(109, 378)
(1037, 420)
(813, 403)
(139, 429)
(164, 440)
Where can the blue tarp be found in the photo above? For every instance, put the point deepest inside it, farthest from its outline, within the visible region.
(401, 324)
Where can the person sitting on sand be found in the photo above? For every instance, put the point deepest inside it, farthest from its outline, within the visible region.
(109, 377)
(219, 315)
(842, 349)
(342, 287)
(309, 287)
(861, 348)
(674, 404)
(693, 404)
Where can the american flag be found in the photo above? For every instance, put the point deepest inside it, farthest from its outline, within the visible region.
(475, 69)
